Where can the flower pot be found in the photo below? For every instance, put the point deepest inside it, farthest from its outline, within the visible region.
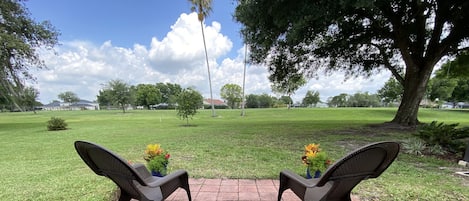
(157, 173)
(317, 174)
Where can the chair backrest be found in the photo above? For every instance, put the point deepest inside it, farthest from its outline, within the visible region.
(105, 163)
(366, 162)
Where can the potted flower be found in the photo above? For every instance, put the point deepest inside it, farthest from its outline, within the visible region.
(157, 160)
(316, 160)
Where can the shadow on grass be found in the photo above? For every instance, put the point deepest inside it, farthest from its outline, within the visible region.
(188, 125)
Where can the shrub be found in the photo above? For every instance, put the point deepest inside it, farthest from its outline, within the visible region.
(436, 150)
(447, 136)
(208, 106)
(55, 124)
(415, 146)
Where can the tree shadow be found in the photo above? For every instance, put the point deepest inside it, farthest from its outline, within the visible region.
(188, 125)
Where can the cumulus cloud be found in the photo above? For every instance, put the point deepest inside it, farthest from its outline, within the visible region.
(83, 68)
(337, 83)
(182, 47)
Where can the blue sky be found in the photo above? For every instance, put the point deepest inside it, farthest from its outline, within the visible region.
(126, 22)
(151, 41)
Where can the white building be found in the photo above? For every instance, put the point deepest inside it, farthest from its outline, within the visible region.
(80, 105)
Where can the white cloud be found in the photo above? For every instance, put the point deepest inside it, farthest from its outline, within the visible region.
(82, 67)
(182, 47)
(336, 84)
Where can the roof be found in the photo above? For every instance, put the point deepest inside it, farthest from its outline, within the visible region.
(53, 104)
(80, 103)
(215, 101)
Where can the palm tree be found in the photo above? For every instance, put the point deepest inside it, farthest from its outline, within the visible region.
(203, 8)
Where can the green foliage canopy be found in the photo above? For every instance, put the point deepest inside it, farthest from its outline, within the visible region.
(391, 91)
(147, 94)
(20, 38)
(232, 93)
(259, 101)
(189, 100)
(202, 7)
(287, 100)
(28, 98)
(68, 97)
(119, 92)
(458, 68)
(169, 92)
(441, 89)
(461, 91)
(338, 101)
(451, 81)
(311, 98)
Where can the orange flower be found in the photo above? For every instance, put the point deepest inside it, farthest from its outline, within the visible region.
(312, 148)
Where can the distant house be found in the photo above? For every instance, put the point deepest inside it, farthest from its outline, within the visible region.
(216, 103)
(447, 105)
(80, 105)
(462, 105)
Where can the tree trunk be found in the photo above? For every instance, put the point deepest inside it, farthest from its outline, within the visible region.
(208, 70)
(243, 100)
(415, 84)
(408, 109)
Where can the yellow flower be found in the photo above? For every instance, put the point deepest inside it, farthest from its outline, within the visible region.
(153, 149)
(157, 159)
(314, 158)
(312, 148)
(311, 154)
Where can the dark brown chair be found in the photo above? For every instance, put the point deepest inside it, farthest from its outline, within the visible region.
(134, 181)
(341, 177)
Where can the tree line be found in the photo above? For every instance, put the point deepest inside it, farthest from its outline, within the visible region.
(450, 83)
(120, 94)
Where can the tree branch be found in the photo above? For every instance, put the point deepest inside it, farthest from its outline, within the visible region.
(419, 49)
(433, 44)
(400, 36)
(388, 65)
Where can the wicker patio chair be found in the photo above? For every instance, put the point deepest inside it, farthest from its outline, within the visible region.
(134, 181)
(340, 178)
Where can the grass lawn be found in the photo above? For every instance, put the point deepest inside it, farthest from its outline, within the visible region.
(42, 165)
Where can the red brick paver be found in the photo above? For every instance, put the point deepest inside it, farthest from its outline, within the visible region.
(234, 189)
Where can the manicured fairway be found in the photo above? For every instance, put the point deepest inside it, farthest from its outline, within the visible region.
(42, 165)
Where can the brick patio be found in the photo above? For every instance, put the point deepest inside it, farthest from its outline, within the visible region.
(234, 189)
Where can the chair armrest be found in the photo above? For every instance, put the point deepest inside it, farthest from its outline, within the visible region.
(158, 181)
(142, 170)
(308, 183)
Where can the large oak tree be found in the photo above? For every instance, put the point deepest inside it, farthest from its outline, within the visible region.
(359, 37)
(20, 38)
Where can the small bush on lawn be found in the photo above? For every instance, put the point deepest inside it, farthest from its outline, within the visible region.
(445, 135)
(55, 124)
